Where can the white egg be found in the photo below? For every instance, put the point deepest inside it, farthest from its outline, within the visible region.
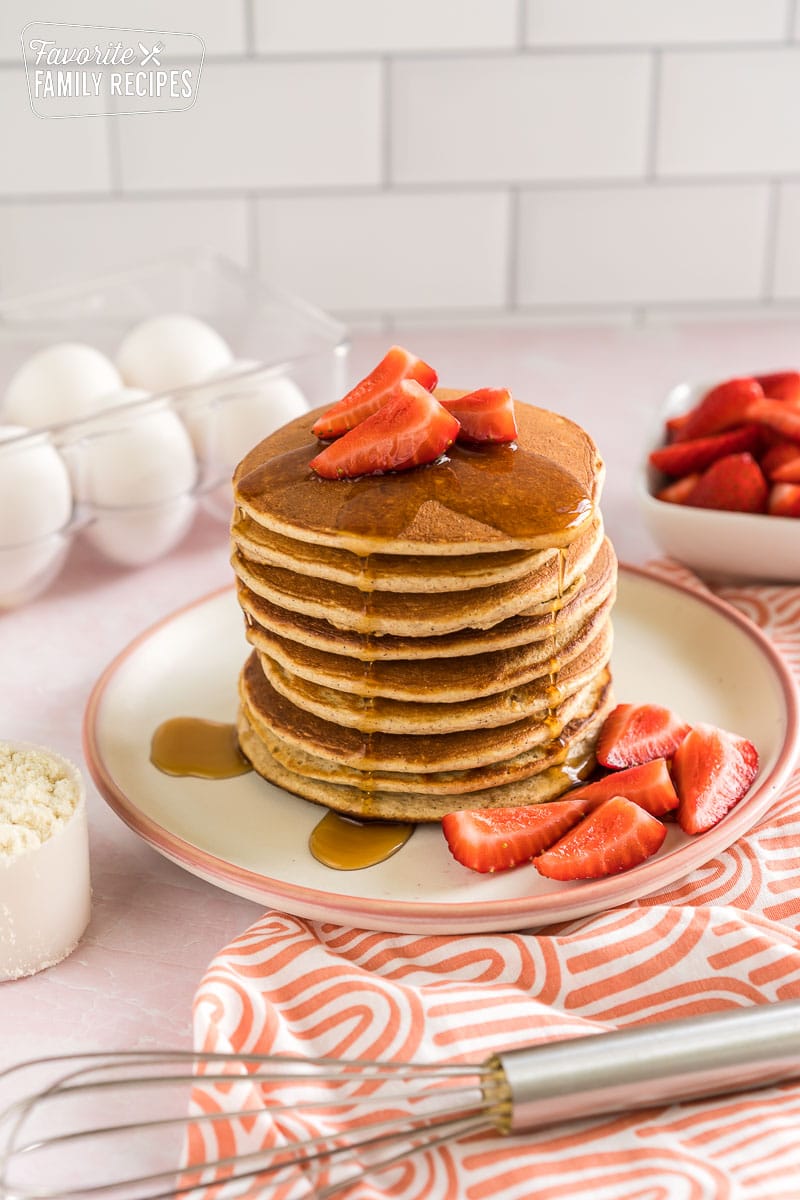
(62, 383)
(135, 472)
(171, 351)
(35, 507)
(226, 422)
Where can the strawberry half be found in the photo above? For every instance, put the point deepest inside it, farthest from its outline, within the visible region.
(615, 837)
(485, 416)
(411, 428)
(788, 471)
(368, 395)
(782, 385)
(712, 770)
(496, 839)
(649, 785)
(778, 456)
(638, 733)
(735, 483)
(777, 415)
(720, 409)
(679, 491)
(682, 458)
(784, 500)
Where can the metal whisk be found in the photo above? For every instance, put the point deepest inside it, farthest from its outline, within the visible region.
(148, 1126)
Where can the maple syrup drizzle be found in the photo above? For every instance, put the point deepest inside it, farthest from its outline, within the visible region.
(194, 746)
(349, 845)
(514, 491)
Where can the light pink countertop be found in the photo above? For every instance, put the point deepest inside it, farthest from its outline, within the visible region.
(154, 928)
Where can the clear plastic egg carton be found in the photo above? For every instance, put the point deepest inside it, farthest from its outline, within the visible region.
(130, 478)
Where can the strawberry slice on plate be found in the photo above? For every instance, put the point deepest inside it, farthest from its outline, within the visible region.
(637, 733)
(735, 483)
(649, 785)
(410, 429)
(720, 409)
(682, 458)
(485, 416)
(495, 839)
(368, 395)
(614, 837)
(712, 769)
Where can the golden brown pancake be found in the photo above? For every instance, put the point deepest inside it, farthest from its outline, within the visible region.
(535, 495)
(420, 614)
(272, 620)
(551, 781)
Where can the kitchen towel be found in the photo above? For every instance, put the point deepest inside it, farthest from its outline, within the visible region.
(727, 935)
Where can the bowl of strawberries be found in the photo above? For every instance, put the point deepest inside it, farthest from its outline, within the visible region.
(721, 488)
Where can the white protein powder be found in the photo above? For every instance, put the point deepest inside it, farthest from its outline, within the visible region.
(38, 795)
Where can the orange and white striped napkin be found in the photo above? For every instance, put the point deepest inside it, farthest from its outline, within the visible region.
(726, 936)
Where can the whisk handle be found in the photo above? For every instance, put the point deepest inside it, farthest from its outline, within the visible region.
(654, 1064)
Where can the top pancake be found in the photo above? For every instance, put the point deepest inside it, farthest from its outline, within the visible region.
(536, 495)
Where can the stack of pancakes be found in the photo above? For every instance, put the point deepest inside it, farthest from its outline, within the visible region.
(425, 640)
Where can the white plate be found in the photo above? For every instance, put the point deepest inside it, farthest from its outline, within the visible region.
(672, 647)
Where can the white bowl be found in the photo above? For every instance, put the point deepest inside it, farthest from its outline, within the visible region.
(715, 544)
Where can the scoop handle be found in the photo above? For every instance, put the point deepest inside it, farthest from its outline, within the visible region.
(730, 1051)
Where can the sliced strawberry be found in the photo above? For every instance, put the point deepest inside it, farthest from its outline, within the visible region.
(778, 455)
(495, 839)
(638, 733)
(410, 429)
(675, 426)
(712, 770)
(788, 472)
(485, 416)
(777, 415)
(649, 785)
(679, 491)
(615, 837)
(781, 385)
(735, 483)
(784, 500)
(720, 409)
(682, 458)
(368, 395)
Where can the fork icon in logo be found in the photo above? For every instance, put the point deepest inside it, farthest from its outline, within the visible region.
(149, 56)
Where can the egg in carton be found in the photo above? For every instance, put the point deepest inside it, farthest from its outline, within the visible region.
(121, 451)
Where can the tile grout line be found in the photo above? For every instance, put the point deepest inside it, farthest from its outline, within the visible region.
(386, 151)
(654, 116)
(522, 24)
(771, 243)
(401, 188)
(512, 250)
(791, 14)
(249, 28)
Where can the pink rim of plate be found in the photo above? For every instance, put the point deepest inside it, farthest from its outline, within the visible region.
(578, 899)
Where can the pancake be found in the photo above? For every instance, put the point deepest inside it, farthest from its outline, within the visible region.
(440, 715)
(381, 572)
(535, 495)
(380, 751)
(422, 615)
(442, 680)
(548, 784)
(574, 714)
(268, 619)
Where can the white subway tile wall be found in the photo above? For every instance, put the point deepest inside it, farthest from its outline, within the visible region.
(436, 160)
